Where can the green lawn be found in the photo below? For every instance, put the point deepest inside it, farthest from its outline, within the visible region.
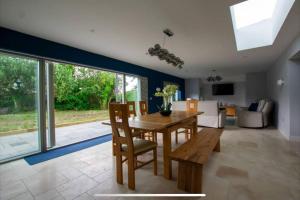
(14, 123)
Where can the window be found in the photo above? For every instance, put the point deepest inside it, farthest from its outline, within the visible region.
(177, 95)
(119, 88)
(19, 113)
(256, 23)
(46, 104)
(244, 12)
(132, 90)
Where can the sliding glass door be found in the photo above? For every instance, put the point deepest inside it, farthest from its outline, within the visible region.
(132, 90)
(80, 97)
(47, 104)
(119, 88)
(19, 116)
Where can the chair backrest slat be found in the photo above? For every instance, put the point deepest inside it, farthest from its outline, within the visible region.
(131, 108)
(118, 114)
(192, 105)
(143, 108)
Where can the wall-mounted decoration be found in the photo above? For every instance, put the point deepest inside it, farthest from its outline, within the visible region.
(280, 82)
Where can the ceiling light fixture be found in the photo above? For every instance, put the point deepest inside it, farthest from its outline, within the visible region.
(213, 77)
(163, 54)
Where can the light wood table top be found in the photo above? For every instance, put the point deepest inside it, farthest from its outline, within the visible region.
(156, 121)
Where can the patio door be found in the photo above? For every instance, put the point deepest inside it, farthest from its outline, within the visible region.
(77, 102)
(132, 90)
(47, 104)
(127, 88)
(120, 88)
(20, 106)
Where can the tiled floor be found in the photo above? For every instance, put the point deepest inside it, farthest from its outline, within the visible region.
(253, 164)
(24, 143)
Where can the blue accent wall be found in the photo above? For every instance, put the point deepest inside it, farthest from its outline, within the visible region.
(27, 44)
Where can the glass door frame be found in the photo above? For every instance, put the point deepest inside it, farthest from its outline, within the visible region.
(51, 141)
(124, 86)
(45, 98)
(40, 101)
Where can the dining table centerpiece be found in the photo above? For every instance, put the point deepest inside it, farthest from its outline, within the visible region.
(167, 93)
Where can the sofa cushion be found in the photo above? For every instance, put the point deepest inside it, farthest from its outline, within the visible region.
(261, 105)
(209, 108)
(253, 107)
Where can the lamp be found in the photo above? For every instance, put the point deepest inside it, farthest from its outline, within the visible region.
(280, 82)
(213, 77)
(164, 54)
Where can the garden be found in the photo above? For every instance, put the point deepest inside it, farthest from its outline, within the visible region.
(81, 94)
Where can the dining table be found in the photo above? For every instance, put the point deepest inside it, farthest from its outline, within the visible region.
(165, 125)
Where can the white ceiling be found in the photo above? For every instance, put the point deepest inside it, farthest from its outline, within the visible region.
(125, 29)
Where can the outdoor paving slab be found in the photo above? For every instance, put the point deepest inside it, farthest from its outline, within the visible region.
(24, 143)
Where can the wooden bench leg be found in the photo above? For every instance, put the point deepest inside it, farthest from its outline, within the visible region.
(189, 177)
(217, 147)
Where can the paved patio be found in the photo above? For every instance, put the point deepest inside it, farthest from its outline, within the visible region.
(14, 145)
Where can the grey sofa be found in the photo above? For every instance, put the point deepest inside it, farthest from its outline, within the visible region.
(256, 119)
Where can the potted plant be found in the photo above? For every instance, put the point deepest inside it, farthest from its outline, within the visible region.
(166, 93)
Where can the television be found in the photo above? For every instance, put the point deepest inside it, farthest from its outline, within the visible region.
(223, 89)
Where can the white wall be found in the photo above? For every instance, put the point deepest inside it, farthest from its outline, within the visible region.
(192, 88)
(247, 89)
(239, 97)
(256, 86)
(294, 83)
(286, 97)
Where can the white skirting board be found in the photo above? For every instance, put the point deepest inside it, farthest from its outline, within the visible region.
(289, 137)
(295, 138)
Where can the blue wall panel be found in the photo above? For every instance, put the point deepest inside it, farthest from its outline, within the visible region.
(19, 42)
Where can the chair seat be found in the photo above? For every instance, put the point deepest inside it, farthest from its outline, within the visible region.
(140, 146)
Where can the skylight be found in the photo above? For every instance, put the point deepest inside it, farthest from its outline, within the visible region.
(256, 23)
(253, 11)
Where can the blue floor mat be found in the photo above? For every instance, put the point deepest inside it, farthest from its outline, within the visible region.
(51, 154)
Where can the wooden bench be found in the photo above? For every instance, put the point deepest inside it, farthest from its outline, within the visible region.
(192, 155)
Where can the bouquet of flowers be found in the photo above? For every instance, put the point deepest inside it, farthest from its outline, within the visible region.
(166, 93)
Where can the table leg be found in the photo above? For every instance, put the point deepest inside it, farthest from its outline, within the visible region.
(217, 147)
(167, 150)
(195, 126)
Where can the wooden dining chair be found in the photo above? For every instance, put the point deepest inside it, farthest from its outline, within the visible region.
(144, 111)
(143, 107)
(131, 108)
(131, 113)
(128, 147)
(191, 106)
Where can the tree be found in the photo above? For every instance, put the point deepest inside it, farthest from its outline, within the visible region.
(17, 83)
(76, 88)
(82, 88)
